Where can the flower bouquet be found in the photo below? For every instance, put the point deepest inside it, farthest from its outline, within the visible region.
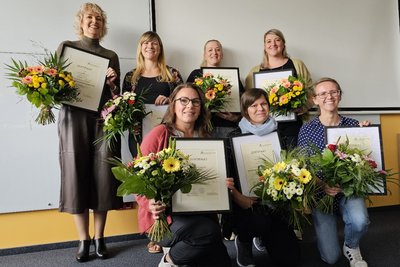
(287, 186)
(45, 85)
(287, 95)
(351, 169)
(158, 176)
(121, 113)
(216, 90)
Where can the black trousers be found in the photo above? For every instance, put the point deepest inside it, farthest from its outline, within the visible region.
(276, 235)
(197, 241)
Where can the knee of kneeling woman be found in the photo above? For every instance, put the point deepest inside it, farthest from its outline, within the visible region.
(331, 259)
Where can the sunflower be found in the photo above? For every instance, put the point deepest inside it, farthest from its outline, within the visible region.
(171, 165)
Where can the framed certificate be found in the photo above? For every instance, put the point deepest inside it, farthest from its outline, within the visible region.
(213, 196)
(365, 138)
(89, 72)
(153, 118)
(264, 79)
(232, 75)
(249, 150)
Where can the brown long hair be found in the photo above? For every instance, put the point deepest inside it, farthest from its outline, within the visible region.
(202, 123)
(165, 74)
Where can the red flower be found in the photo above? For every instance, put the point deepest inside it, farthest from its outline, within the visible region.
(332, 147)
(372, 164)
(131, 101)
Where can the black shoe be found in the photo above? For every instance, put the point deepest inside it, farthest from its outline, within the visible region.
(83, 251)
(100, 248)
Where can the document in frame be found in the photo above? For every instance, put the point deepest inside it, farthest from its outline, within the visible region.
(249, 151)
(89, 72)
(264, 79)
(232, 75)
(366, 138)
(213, 196)
(153, 118)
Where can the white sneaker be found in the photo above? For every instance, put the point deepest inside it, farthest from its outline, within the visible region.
(164, 263)
(258, 244)
(354, 256)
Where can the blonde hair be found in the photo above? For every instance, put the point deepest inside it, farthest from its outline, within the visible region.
(280, 35)
(204, 62)
(165, 74)
(81, 12)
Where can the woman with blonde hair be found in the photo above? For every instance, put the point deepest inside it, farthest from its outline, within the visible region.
(223, 122)
(86, 178)
(154, 80)
(275, 58)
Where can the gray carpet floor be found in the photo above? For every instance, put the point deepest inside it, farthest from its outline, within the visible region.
(380, 247)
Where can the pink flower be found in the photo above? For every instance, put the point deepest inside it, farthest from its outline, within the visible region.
(27, 80)
(340, 154)
(285, 83)
(297, 83)
(274, 90)
(38, 69)
(205, 75)
(210, 95)
(107, 111)
(51, 72)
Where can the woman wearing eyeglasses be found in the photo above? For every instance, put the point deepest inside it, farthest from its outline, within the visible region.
(327, 96)
(197, 239)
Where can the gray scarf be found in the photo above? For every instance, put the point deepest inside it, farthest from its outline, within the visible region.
(267, 127)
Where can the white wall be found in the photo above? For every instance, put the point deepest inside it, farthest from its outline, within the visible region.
(29, 167)
(355, 41)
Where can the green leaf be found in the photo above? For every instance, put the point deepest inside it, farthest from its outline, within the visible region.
(186, 189)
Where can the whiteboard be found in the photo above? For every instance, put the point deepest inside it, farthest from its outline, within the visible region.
(355, 41)
(29, 166)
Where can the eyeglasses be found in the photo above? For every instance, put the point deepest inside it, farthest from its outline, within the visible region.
(185, 101)
(324, 95)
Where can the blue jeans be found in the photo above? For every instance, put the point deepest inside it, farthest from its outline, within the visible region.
(355, 217)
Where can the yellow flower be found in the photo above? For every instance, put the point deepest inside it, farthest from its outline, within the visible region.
(305, 176)
(61, 82)
(280, 166)
(219, 87)
(267, 172)
(279, 183)
(43, 85)
(71, 84)
(171, 165)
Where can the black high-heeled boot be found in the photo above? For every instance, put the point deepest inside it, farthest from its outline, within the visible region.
(83, 251)
(100, 248)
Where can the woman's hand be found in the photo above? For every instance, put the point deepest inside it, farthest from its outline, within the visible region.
(161, 100)
(364, 123)
(243, 201)
(156, 208)
(332, 191)
(111, 75)
(229, 116)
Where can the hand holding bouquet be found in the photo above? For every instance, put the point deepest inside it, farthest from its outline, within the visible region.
(121, 113)
(45, 85)
(287, 95)
(287, 186)
(351, 169)
(158, 176)
(216, 90)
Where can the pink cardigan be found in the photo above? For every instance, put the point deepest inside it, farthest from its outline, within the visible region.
(156, 140)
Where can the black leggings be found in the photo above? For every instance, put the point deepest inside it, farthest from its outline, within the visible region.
(197, 241)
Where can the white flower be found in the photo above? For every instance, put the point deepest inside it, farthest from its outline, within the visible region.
(292, 190)
(274, 193)
(295, 170)
(289, 196)
(355, 158)
(108, 117)
(117, 100)
(299, 191)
